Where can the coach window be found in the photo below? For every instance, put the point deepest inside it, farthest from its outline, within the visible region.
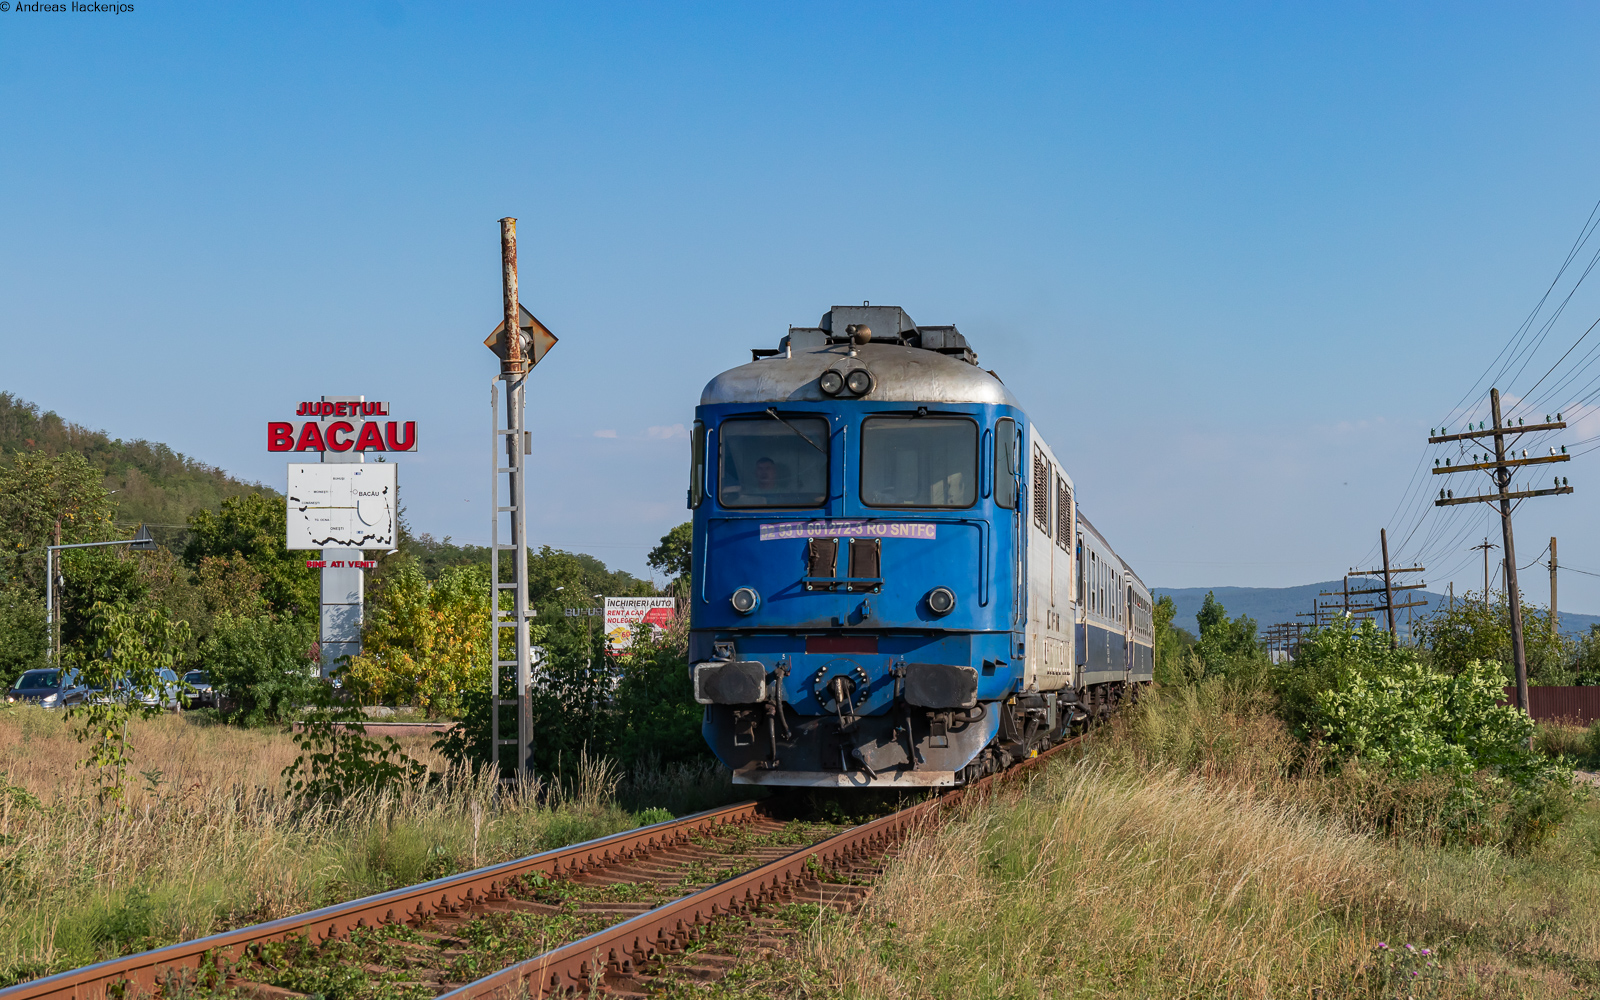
(697, 465)
(767, 462)
(1005, 463)
(919, 462)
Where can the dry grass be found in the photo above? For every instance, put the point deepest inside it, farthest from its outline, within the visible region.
(38, 753)
(208, 841)
(1189, 855)
(1574, 742)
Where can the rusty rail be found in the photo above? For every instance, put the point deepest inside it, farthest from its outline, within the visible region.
(617, 951)
(142, 973)
(623, 949)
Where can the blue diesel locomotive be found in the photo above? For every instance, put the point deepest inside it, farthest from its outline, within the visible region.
(892, 584)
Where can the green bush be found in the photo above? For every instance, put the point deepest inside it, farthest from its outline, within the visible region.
(1350, 691)
(262, 663)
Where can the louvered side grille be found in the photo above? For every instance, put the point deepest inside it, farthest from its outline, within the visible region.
(1041, 492)
(1063, 514)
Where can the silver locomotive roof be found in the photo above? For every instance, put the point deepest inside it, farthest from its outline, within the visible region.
(929, 364)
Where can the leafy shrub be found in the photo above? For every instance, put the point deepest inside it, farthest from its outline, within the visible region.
(1233, 735)
(338, 761)
(1352, 692)
(262, 663)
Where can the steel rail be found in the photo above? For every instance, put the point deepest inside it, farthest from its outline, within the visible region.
(624, 949)
(142, 973)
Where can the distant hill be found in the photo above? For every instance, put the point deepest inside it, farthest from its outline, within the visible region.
(154, 484)
(1270, 605)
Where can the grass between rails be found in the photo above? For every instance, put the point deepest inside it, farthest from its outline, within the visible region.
(208, 841)
(1183, 856)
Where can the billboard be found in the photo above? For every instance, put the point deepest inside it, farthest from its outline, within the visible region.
(624, 613)
(341, 505)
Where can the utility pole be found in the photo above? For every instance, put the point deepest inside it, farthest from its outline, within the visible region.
(1502, 468)
(1388, 588)
(1387, 573)
(1485, 547)
(1553, 628)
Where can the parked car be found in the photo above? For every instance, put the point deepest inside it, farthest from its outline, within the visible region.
(166, 693)
(48, 687)
(163, 695)
(197, 690)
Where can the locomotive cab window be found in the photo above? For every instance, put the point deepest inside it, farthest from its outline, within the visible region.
(764, 462)
(697, 465)
(1005, 463)
(919, 462)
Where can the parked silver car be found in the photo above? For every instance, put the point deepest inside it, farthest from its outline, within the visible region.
(163, 695)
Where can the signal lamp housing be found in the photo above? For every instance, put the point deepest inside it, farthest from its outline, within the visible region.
(941, 600)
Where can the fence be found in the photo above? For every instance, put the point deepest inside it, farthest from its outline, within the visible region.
(1569, 704)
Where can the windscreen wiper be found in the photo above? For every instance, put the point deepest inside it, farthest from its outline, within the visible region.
(772, 412)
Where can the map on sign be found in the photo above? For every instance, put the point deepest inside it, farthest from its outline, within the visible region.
(342, 505)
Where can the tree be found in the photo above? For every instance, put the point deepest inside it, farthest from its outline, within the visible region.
(124, 665)
(23, 639)
(99, 582)
(262, 664)
(1467, 632)
(254, 527)
(1175, 660)
(38, 492)
(1227, 647)
(673, 556)
(657, 715)
(427, 643)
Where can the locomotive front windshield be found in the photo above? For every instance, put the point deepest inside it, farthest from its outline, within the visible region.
(773, 463)
(919, 462)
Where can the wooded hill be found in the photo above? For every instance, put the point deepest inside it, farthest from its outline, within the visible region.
(154, 484)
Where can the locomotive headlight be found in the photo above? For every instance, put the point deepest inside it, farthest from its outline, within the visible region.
(745, 600)
(831, 382)
(941, 600)
(859, 382)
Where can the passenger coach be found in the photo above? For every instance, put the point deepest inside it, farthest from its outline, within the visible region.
(892, 584)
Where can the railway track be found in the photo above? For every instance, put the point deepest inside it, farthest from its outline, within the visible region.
(612, 915)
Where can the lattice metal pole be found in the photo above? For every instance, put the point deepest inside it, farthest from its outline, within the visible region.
(510, 441)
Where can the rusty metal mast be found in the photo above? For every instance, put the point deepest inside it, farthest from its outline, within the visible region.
(513, 372)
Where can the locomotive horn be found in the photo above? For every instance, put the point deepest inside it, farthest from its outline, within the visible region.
(859, 332)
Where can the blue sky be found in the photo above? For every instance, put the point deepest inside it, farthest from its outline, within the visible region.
(1237, 260)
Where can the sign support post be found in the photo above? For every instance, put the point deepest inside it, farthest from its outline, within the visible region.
(514, 372)
(343, 589)
(520, 342)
